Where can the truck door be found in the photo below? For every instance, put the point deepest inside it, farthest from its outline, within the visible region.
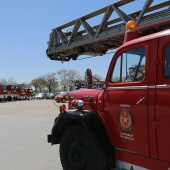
(163, 99)
(125, 99)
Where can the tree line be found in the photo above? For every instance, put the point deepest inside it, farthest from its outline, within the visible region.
(52, 82)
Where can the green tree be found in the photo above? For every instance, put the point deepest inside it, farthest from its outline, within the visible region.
(50, 81)
(73, 75)
(68, 76)
(38, 84)
(3, 81)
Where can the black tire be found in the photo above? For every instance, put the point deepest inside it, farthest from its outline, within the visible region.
(63, 100)
(9, 98)
(78, 152)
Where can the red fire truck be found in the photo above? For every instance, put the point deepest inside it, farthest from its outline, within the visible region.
(20, 92)
(4, 90)
(11, 92)
(29, 93)
(1, 93)
(8, 92)
(89, 82)
(125, 125)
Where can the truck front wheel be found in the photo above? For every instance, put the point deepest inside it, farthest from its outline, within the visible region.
(78, 152)
(63, 100)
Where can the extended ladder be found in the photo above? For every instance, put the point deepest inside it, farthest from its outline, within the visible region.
(109, 34)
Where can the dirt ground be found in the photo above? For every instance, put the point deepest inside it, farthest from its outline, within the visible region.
(30, 107)
(24, 126)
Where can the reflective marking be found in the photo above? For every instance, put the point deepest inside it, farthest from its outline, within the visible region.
(152, 87)
(163, 86)
(71, 97)
(127, 88)
(139, 87)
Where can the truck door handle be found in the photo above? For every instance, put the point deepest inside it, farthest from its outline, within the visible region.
(140, 100)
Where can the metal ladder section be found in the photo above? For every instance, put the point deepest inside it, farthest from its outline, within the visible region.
(109, 34)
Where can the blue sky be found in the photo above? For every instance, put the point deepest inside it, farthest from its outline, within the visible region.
(25, 29)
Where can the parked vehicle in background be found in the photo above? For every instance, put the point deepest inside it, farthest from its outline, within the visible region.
(29, 94)
(53, 95)
(62, 97)
(1, 93)
(8, 93)
(47, 96)
(20, 92)
(39, 96)
(56, 94)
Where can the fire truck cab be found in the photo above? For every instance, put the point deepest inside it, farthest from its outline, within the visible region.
(20, 91)
(133, 108)
(1, 93)
(7, 92)
(124, 125)
(29, 94)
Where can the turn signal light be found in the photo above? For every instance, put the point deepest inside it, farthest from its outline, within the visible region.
(63, 107)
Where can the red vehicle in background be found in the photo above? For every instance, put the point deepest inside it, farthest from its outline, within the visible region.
(4, 91)
(7, 92)
(20, 92)
(62, 97)
(14, 95)
(98, 85)
(89, 82)
(11, 92)
(29, 94)
(15, 92)
(1, 93)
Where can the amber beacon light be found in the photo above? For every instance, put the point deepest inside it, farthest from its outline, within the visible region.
(131, 25)
(131, 31)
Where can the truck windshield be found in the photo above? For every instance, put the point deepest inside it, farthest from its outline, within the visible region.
(63, 93)
(129, 66)
(4, 87)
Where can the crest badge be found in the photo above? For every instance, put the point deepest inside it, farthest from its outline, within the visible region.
(125, 119)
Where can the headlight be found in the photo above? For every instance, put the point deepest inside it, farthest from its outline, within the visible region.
(77, 104)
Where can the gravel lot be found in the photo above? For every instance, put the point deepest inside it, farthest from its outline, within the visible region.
(30, 107)
(24, 126)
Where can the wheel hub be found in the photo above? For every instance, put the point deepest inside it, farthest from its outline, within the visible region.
(77, 156)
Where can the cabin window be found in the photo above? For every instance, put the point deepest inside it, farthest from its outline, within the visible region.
(129, 66)
(167, 61)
